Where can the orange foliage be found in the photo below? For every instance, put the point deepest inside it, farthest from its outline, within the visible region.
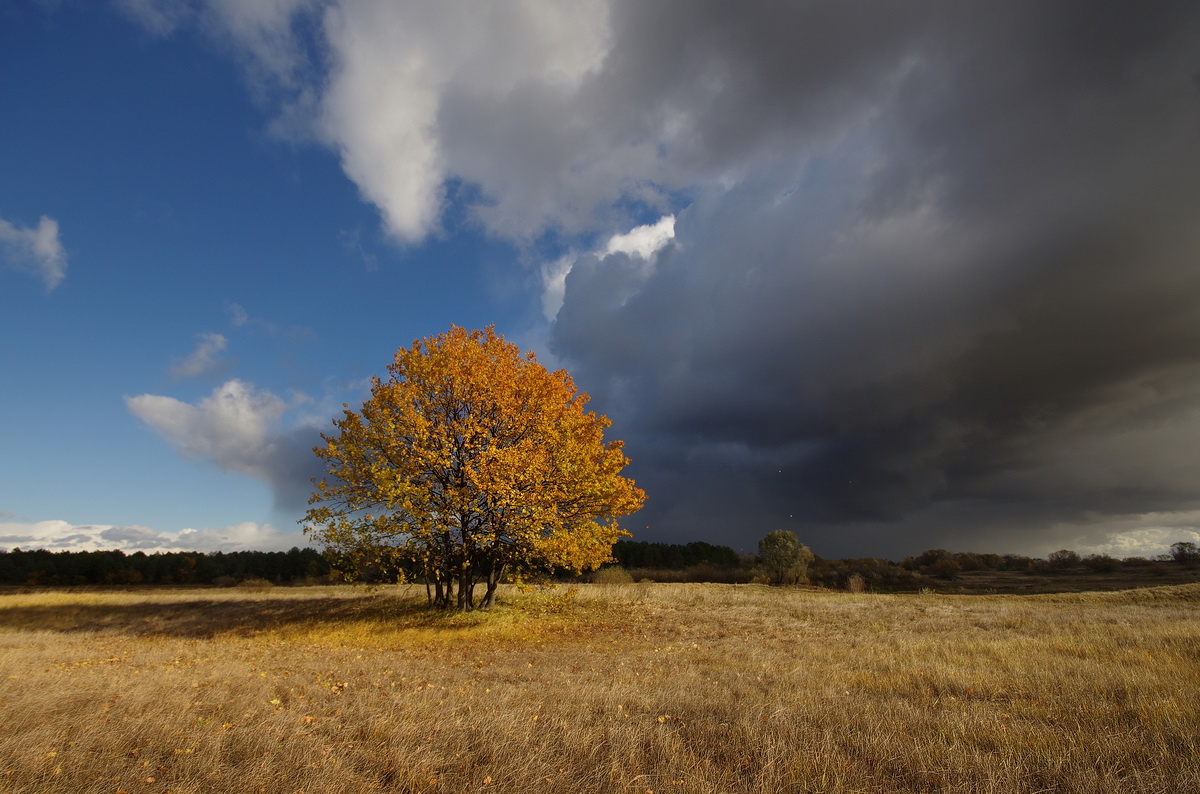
(472, 460)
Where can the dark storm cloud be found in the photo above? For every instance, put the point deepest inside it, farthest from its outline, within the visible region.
(939, 283)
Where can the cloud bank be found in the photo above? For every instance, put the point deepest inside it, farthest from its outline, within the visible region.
(959, 306)
(63, 536)
(932, 273)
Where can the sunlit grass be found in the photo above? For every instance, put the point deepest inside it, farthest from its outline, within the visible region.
(637, 687)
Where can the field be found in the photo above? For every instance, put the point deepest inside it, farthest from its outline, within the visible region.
(600, 688)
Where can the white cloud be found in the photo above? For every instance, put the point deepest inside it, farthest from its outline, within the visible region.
(641, 243)
(400, 68)
(260, 32)
(237, 314)
(238, 428)
(265, 30)
(554, 284)
(205, 358)
(36, 251)
(158, 17)
(242, 319)
(230, 427)
(410, 94)
(1148, 536)
(57, 535)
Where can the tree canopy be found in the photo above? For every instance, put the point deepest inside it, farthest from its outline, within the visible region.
(785, 558)
(469, 461)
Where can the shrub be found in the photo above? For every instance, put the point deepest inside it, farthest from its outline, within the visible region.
(613, 574)
(1101, 563)
(1063, 558)
(942, 569)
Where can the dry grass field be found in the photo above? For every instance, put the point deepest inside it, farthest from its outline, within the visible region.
(621, 688)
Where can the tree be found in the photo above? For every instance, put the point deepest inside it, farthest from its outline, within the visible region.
(784, 556)
(1063, 558)
(1185, 551)
(469, 462)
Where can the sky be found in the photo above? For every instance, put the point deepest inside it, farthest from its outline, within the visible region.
(892, 276)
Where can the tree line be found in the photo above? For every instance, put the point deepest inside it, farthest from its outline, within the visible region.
(780, 560)
(42, 568)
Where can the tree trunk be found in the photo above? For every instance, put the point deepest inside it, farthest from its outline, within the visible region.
(495, 574)
(466, 591)
(444, 592)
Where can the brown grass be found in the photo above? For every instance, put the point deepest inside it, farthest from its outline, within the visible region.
(600, 688)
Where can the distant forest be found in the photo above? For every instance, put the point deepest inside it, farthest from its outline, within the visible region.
(638, 560)
(43, 568)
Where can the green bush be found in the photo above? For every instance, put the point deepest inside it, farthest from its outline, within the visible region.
(784, 557)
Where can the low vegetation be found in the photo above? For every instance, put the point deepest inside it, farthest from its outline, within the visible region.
(599, 688)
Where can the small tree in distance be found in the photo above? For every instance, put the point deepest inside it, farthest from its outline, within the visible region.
(469, 462)
(784, 557)
(1186, 552)
(1063, 558)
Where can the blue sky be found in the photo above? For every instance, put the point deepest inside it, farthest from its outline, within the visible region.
(181, 220)
(827, 269)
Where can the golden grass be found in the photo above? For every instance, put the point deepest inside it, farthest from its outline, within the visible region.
(604, 688)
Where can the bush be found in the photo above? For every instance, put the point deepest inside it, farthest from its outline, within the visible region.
(942, 569)
(1063, 558)
(614, 574)
(1101, 563)
(256, 584)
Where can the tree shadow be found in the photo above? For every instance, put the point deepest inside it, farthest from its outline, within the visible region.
(202, 618)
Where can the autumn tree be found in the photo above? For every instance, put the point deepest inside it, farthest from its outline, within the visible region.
(468, 462)
(784, 557)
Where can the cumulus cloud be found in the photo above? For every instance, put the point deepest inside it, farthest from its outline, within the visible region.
(410, 80)
(59, 535)
(36, 251)
(412, 94)
(932, 268)
(238, 428)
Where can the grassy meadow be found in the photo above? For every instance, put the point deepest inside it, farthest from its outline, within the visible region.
(600, 688)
